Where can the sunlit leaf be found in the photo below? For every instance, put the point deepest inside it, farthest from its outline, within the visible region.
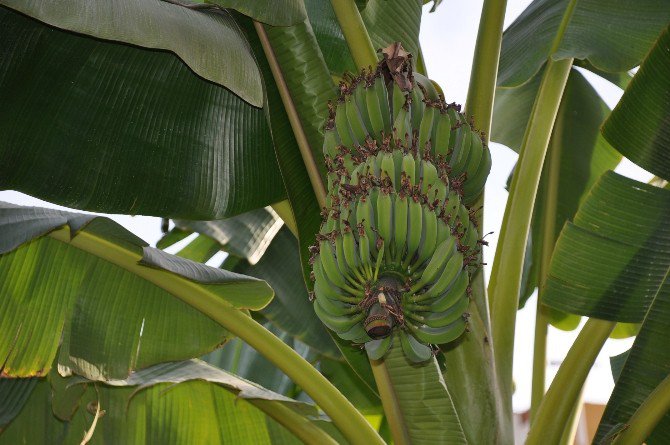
(103, 295)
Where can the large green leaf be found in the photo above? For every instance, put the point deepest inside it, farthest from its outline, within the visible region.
(114, 128)
(272, 12)
(14, 394)
(291, 309)
(385, 21)
(470, 378)
(614, 35)
(396, 21)
(106, 293)
(611, 262)
(207, 41)
(329, 36)
(172, 403)
(640, 124)
(583, 155)
(246, 236)
(423, 401)
(645, 366)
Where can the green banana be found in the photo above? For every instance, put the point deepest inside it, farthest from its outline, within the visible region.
(427, 85)
(336, 323)
(428, 238)
(356, 334)
(452, 295)
(426, 128)
(385, 219)
(474, 185)
(439, 336)
(332, 306)
(450, 315)
(461, 149)
(449, 274)
(409, 168)
(417, 108)
(376, 349)
(403, 168)
(342, 125)
(383, 99)
(429, 178)
(402, 127)
(356, 124)
(414, 230)
(398, 100)
(436, 264)
(388, 167)
(441, 135)
(330, 142)
(400, 211)
(327, 289)
(416, 352)
(362, 105)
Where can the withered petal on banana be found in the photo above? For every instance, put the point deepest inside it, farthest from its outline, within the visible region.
(399, 241)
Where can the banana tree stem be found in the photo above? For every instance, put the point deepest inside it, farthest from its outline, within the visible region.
(355, 33)
(479, 107)
(559, 402)
(647, 416)
(552, 173)
(505, 282)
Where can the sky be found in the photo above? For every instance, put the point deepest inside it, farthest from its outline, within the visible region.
(448, 39)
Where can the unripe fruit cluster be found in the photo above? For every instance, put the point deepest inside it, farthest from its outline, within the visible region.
(398, 242)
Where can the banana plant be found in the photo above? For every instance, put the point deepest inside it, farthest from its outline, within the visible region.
(305, 139)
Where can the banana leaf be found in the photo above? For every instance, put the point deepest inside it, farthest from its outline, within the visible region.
(86, 283)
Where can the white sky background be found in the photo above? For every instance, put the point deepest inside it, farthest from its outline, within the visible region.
(448, 40)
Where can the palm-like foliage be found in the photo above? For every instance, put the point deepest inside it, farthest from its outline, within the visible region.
(202, 111)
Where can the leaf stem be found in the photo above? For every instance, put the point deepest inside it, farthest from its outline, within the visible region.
(355, 33)
(570, 427)
(293, 117)
(558, 404)
(343, 414)
(552, 170)
(508, 264)
(479, 103)
(390, 402)
(300, 426)
(479, 107)
(539, 361)
(647, 416)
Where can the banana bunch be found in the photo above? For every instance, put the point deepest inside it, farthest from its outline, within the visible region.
(398, 242)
